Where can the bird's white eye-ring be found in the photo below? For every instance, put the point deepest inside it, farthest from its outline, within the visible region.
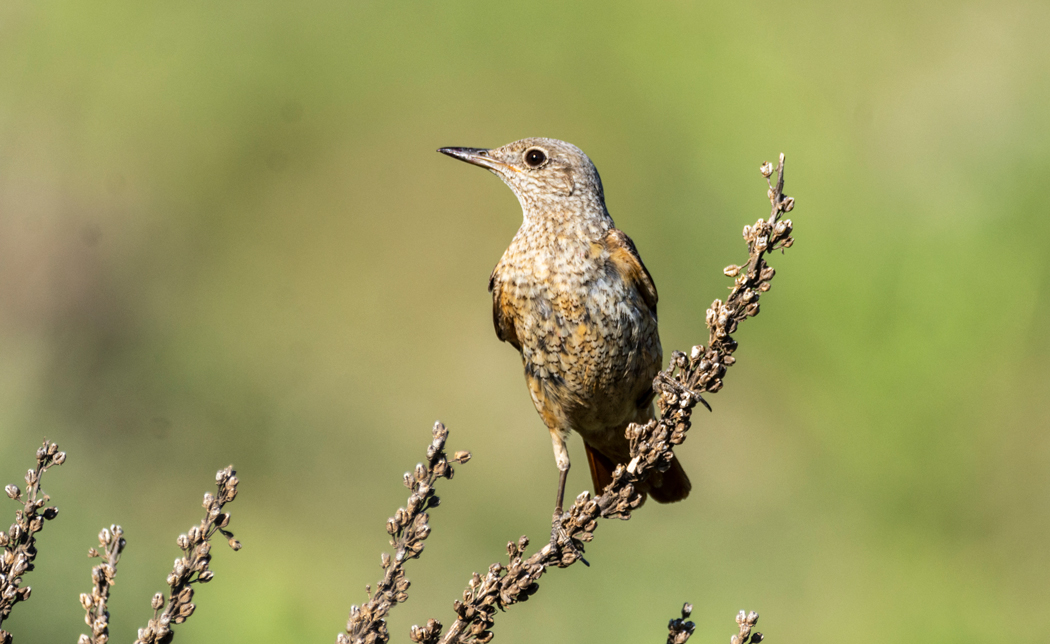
(535, 157)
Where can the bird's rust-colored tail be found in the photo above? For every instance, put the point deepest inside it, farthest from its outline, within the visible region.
(601, 468)
(670, 486)
(667, 487)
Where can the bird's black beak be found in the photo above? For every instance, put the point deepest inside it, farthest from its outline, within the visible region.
(475, 156)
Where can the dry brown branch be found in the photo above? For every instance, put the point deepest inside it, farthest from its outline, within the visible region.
(747, 621)
(707, 367)
(408, 528)
(678, 629)
(679, 387)
(19, 543)
(192, 566)
(19, 551)
(112, 542)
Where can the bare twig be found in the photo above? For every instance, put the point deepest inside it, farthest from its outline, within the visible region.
(680, 387)
(708, 366)
(408, 528)
(678, 629)
(192, 566)
(19, 543)
(747, 621)
(111, 541)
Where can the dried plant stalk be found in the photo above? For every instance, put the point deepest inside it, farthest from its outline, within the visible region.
(408, 528)
(192, 566)
(678, 629)
(111, 541)
(19, 542)
(679, 387)
(746, 622)
(707, 367)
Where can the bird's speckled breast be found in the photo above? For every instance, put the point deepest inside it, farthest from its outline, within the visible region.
(589, 343)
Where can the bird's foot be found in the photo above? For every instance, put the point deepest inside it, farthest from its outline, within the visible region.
(558, 537)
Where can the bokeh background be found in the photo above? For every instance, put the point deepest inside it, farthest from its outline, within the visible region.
(225, 237)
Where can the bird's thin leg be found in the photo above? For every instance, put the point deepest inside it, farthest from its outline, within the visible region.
(562, 477)
(561, 457)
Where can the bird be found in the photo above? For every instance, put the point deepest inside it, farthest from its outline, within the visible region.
(572, 295)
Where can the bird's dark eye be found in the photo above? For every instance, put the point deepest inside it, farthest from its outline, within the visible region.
(535, 157)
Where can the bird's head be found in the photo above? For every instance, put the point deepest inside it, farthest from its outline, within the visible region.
(543, 173)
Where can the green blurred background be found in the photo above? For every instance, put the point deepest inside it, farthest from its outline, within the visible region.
(225, 236)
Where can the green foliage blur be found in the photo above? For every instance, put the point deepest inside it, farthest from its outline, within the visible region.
(226, 237)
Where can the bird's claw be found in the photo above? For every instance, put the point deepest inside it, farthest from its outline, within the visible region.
(558, 537)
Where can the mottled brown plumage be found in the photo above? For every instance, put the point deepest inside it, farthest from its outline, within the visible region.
(572, 295)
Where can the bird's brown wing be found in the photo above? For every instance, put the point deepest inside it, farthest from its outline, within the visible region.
(502, 312)
(628, 263)
(672, 485)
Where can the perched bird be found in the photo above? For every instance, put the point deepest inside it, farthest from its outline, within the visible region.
(572, 295)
